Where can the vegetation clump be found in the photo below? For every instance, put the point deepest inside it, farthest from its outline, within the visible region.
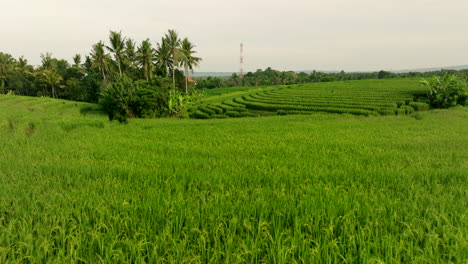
(446, 91)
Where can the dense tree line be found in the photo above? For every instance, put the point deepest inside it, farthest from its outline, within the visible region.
(157, 68)
(274, 77)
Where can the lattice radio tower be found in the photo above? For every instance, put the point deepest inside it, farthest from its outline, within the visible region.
(241, 73)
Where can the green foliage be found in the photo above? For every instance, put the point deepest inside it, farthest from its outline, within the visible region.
(125, 98)
(152, 98)
(179, 103)
(281, 189)
(446, 91)
(117, 99)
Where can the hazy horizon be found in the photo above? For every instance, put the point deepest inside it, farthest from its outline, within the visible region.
(335, 35)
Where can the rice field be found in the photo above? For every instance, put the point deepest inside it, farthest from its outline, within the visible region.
(368, 98)
(315, 188)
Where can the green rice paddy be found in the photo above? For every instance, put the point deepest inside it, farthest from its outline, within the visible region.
(315, 188)
(369, 97)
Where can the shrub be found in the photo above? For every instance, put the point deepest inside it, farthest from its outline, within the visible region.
(124, 98)
(117, 99)
(446, 91)
(150, 100)
(180, 103)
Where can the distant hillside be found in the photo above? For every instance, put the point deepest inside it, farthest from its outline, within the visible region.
(457, 68)
(228, 74)
(213, 74)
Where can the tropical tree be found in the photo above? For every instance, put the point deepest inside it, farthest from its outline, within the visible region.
(52, 79)
(88, 64)
(117, 45)
(77, 60)
(163, 57)
(130, 55)
(6, 64)
(446, 91)
(25, 77)
(146, 57)
(47, 61)
(173, 43)
(187, 59)
(100, 59)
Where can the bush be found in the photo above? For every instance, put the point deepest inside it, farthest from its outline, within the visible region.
(446, 91)
(151, 100)
(124, 98)
(117, 99)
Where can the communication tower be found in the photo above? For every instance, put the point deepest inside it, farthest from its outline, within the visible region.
(241, 73)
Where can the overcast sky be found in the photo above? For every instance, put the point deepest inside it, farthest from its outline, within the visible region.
(350, 35)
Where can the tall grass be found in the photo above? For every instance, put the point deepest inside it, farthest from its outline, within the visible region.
(283, 189)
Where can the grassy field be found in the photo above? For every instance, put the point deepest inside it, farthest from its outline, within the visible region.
(368, 98)
(318, 188)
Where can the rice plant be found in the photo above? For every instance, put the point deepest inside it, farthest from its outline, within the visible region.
(319, 188)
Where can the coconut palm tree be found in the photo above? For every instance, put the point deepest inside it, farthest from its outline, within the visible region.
(100, 59)
(52, 79)
(46, 61)
(117, 45)
(130, 57)
(88, 64)
(188, 60)
(145, 57)
(173, 43)
(77, 60)
(163, 57)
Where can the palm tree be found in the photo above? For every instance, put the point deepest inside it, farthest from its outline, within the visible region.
(145, 56)
(77, 60)
(47, 61)
(117, 45)
(129, 59)
(188, 60)
(51, 78)
(100, 58)
(173, 43)
(163, 57)
(88, 64)
(26, 72)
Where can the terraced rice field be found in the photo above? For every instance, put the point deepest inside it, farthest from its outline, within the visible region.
(369, 98)
(315, 188)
